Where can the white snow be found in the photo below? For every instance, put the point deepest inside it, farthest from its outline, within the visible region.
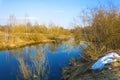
(108, 58)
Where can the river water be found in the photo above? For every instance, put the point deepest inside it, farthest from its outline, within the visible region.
(37, 62)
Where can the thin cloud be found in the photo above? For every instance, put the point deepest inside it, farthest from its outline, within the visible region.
(20, 18)
(30, 18)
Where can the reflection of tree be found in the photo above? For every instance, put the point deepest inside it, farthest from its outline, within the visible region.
(32, 62)
(69, 45)
(52, 47)
(66, 45)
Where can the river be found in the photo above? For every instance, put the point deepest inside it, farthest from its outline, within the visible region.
(37, 62)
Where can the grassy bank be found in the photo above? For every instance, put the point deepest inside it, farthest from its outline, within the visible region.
(22, 39)
(9, 45)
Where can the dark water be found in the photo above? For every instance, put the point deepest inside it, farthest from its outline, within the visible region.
(37, 62)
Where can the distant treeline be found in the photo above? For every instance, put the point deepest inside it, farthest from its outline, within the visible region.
(33, 32)
(29, 28)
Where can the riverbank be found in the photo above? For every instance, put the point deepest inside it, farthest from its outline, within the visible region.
(80, 70)
(20, 40)
(12, 45)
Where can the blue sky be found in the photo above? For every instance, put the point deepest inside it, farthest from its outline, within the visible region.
(59, 12)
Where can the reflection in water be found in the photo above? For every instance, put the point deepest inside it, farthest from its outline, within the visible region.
(69, 45)
(66, 45)
(53, 46)
(32, 62)
(37, 62)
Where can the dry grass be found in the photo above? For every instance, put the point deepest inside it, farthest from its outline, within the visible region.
(22, 39)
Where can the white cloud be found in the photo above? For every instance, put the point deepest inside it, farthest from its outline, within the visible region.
(29, 17)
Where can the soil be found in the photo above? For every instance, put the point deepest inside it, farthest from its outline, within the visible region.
(80, 70)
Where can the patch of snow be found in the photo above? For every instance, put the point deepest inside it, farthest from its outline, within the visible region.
(108, 58)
